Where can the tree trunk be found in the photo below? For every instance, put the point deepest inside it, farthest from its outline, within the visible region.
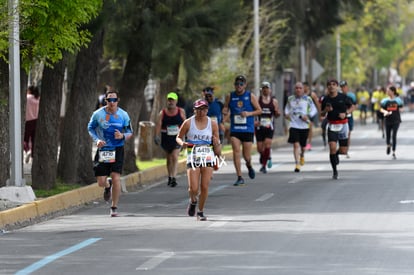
(44, 167)
(134, 80)
(133, 83)
(75, 158)
(4, 118)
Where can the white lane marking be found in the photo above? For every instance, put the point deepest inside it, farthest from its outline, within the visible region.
(216, 189)
(155, 261)
(407, 201)
(39, 264)
(220, 223)
(296, 180)
(265, 197)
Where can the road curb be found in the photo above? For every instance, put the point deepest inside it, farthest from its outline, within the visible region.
(39, 210)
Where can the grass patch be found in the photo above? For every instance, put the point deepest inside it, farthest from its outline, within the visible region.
(146, 164)
(226, 148)
(59, 188)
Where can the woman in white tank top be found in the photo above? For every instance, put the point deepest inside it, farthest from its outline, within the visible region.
(202, 143)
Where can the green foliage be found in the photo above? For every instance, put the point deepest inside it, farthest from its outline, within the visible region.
(374, 40)
(190, 31)
(48, 27)
(237, 55)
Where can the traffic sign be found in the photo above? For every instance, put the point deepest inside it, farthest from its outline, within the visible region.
(317, 69)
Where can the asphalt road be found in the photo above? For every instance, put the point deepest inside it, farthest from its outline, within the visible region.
(280, 223)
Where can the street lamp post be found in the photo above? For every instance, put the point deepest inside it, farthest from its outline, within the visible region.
(338, 56)
(14, 101)
(16, 189)
(256, 48)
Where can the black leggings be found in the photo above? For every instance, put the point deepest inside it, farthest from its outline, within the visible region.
(394, 129)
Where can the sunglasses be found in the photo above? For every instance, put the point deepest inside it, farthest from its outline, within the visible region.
(238, 83)
(112, 99)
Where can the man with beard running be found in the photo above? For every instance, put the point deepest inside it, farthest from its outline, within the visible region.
(241, 106)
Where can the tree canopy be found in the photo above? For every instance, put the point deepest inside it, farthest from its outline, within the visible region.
(47, 27)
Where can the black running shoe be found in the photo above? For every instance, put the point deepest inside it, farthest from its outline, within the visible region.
(107, 191)
(335, 175)
(114, 212)
(252, 173)
(239, 182)
(201, 217)
(191, 208)
(173, 182)
(388, 150)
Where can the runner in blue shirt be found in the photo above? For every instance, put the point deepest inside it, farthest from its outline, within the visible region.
(215, 110)
(242, 106)
(109, 127)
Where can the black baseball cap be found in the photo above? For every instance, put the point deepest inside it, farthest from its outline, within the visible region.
(240, 78)
(208, 90)
(343, 83)
(331, 80)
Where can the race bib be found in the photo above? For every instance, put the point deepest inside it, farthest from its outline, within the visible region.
(336, 127)
(265, 122)
(239, 119)
(172, 130)
(107, 156)
(200, 155)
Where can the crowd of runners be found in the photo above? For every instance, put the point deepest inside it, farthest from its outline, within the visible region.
(250, 118)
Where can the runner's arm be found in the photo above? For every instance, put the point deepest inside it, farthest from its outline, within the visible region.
(185, 126)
